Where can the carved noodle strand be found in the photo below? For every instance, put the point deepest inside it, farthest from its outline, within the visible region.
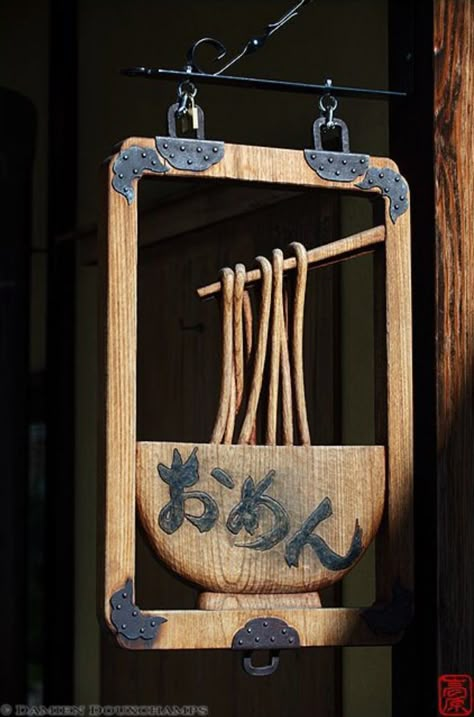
(260, 353)
(297, 342)
(229, 429)
(239, 363)
(276, 344)
(248, 325)
(248, 334)
(227, 279)
(286, 391)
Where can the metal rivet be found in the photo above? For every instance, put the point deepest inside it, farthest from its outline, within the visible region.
(124, 595)
(249, 630)
(172, 155)
(272, 639)
(165, 146)
(135, 613)
(257, 639)
(126, 189)
(215, 149)
(143, 155)
(353, 170)
(331, 160)
(362, 161)
(344, 161)
(142, 630)
(120, 176)
(338, 172)
(386, 190)
(291, 640)
(371, 181)
(135, 171)
(321, 167)
(153, 161)
(182, 148)
(381, 175)
(402, 198)
(313, 156)
(125, 156)
(199, 149)
(124, 626)
(206, 157)
(119, 607)
(397, 206)
(190, 161)
(241, 642)
(397, 178)
(153, 623)
(284, 631)
(265, 624)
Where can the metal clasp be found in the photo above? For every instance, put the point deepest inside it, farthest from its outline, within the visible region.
(321, 126)
(186, 111)
(328, 105)
(262, 670)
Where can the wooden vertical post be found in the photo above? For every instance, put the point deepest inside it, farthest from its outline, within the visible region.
(454, 193)
(437, 158)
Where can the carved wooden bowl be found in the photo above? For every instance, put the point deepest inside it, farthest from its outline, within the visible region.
(260, 519)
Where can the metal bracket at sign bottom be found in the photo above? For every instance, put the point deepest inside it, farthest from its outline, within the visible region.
(264, 633)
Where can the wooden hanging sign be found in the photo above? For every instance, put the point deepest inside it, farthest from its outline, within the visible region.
(259, 518)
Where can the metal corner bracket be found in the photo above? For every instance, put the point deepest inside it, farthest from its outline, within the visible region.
(393, 617)
(130, 165)
(392, 185)
(128, 619)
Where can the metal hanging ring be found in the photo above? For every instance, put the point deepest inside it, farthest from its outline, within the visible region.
(187, 89)
(328, 105)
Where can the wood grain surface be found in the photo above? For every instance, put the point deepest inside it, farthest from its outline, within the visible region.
(215, 629)
(352, 477)
(340, 250)
(454, 190)
(233, 601)
(284, 168)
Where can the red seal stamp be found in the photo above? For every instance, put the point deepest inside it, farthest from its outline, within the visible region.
(455, 695)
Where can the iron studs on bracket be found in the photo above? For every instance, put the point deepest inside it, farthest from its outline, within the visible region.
(264, 633)
(130, 165)
(392, 185)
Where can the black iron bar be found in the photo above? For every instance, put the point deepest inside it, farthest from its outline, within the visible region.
(263, 84)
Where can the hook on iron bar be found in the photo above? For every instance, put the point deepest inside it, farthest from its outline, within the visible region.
(304, 88)
(254, 44)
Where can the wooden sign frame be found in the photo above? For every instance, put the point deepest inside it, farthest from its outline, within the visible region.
(381, 624)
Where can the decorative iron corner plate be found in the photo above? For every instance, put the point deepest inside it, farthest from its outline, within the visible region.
(266, 633)
(392, 185)
(337, 166)
(191, 155)
(393, 617)
(130, 165)
(128, 619)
